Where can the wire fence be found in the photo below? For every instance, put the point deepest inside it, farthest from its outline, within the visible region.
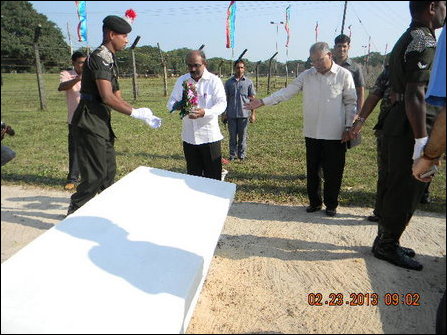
(24, 87)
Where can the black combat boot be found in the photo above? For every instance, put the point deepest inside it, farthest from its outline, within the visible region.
(387, 248)
(407, 251)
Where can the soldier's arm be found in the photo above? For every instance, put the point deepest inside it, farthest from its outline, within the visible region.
(371, 102)
(111, 99)
(118, 95)
(415, 108)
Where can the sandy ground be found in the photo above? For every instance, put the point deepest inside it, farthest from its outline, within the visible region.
(270, 258)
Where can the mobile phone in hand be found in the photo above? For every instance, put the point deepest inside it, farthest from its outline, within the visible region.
(430, 172)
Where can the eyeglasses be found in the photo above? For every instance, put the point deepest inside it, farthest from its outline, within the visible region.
(193, 65)
(319, 60)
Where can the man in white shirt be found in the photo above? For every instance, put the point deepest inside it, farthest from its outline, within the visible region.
(70, 82)
(201, 133)
(329, 101)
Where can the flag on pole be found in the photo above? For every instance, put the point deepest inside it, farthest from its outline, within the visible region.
(82, 15)
(350, 32)
(316, 32)
(231, 18)
(286, 26)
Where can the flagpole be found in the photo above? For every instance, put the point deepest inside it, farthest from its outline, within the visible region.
(287, 27)
(384, 58)
(69, 40)
(232, 58)
(287, 69)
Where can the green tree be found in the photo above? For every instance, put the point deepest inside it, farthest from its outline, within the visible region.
(18, 22)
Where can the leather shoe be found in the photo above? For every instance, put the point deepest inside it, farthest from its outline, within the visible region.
(393, 254)
(331, 212)
(373, 218)
(71, 209)
(311, 209)
(407, 251)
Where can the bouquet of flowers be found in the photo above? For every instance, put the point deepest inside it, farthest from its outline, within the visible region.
(190, 99)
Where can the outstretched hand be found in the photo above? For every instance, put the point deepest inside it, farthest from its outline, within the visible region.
(146, 115)
(253, 104)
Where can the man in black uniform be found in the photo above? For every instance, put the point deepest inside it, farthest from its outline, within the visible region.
(405, 129)
(100, 93)
(380, 91)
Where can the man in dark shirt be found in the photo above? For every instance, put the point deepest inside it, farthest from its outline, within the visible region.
(341, 49)
(100, 92)
(405, 130)
(239, 90)
(380, 91)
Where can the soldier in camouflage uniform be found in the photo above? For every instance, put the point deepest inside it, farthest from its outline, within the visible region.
(100, 92)
(405, 130)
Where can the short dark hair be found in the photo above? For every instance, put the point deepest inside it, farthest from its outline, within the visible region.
(78, 54)
(418, 7)
(239, 61)
(342, 38)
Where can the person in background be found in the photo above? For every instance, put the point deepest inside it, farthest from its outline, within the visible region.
(341, 57)
(70, 82)
(380, 91)
(239, 90)
(7, 153)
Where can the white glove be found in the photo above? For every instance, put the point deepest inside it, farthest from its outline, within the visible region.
(145, 114)
(419, 144)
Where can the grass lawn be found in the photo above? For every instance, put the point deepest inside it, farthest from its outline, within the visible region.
(274, 171)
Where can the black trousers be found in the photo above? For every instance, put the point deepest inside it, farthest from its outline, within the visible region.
(204, 160)
(401, 191)
(97, 163)
(381, 181)
(328, 155)
(73, 166)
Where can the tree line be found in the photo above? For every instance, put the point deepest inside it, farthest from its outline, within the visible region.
(19, 20)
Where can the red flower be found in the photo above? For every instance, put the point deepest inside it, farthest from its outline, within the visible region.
(130, 13)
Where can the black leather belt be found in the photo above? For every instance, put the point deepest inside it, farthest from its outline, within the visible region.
(90, 97)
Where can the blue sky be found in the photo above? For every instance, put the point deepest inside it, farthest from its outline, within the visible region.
(177, 24)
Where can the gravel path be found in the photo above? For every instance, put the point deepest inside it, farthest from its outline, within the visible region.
(270, 258)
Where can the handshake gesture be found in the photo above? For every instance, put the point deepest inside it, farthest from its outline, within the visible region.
(145, 114)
